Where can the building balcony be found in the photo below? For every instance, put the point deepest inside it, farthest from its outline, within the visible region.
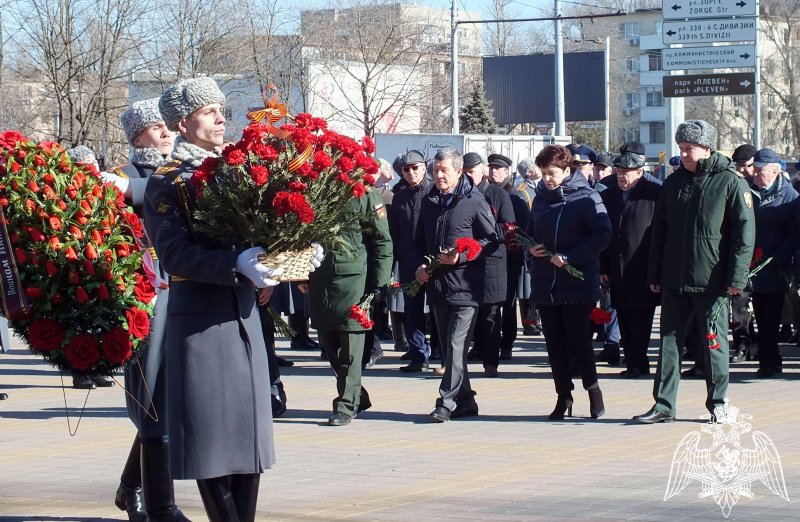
(651, 77)
(652, 114)
(654, 41)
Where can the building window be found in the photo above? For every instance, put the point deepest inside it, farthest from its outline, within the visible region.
(631, 134)
(653, 97)
(629, 29)
(654, 60)
(631, 100)
(657, 132)
(632, 64)
(771, 101)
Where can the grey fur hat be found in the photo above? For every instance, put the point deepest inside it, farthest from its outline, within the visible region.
(187, 96)
(82, 154)
(697, 131)
(525, 165)
(139, 116)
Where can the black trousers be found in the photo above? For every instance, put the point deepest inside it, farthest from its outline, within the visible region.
(635, 326)
(768, 309)
(487, 334)
(566, 334)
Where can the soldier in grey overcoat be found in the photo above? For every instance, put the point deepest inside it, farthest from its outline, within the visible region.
(220, 422)
(145, 488)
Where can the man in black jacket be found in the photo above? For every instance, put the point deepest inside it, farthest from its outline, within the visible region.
(452, 210)
(488, 326)
(631, 203)
(404, 226)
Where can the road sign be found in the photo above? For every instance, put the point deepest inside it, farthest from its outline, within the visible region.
(730, 84)
(709, 31)
(677, 9)
(715, 57)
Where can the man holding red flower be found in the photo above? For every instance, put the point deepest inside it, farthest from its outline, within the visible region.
(457, 223)
(220, 421)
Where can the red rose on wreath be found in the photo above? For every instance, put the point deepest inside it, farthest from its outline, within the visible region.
(82, 352)
(138, 322)
(134, 223)
(144, 289)
(46, 335)
(117, 345)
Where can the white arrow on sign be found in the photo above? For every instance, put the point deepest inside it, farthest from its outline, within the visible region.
(712, 57)
(691, 9)
(744, 83)
(709, 31)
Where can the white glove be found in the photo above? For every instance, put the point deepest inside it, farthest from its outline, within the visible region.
(317, 257)
(123, 184)
(249, 266)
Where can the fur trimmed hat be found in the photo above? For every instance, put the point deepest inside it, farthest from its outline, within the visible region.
(139, 116)
(187, 96)
(82, 154)
(697, 131)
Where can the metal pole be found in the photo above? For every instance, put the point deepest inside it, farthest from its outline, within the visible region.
(454, 65)
(757, 94)
(607, 133)
(560, 123)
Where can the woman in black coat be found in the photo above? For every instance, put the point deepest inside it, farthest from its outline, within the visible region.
(571, 227)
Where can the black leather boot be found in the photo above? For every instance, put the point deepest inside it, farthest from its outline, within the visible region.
(129, 496)
(596, 406)
(245, 495)
(159, 494)
(218, 499)
(563, 405)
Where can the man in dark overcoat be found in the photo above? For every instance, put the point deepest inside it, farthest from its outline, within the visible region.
(344, 279)
(630, 203)
(488, 326)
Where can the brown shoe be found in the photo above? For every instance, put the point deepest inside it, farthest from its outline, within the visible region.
(439, 370)
(490, 371)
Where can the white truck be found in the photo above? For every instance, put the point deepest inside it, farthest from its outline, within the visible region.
(516, 147)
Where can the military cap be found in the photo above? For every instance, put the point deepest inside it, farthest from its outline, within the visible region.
(766, 156)
(186, 97)
(743, 153)
(675, 161)
(605, 160)
(471, 159)
(634, 147)
(412, 157)
(699, 132)
(629, 160)
(582, 153)
(499, 160)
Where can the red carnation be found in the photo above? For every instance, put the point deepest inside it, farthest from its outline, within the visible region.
(369, 179)
(138, 322)
(133, 222)
(235, 156)
(117, 346)
(359, 190)
(260, 174)
(144, 290)
(345, 164)
(265, 152)
(322, 160)
(469, 246)
(368, 144)
(45, 335)
(205, 171)
(82, 352)
(297, 186)
(285, 202)
(599, 316)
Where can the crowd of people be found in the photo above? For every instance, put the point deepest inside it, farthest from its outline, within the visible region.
(576, 229)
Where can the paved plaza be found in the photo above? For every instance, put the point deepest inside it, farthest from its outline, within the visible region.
(508, 464)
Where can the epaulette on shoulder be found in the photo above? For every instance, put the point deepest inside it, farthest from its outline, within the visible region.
(119, 170)
(168, 167)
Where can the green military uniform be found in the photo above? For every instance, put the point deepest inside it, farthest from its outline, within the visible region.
(343, 279)
(702, 243)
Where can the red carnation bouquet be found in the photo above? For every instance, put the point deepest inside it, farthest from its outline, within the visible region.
(464, 245)
(73, 286)
(283, 187)
(517, 239)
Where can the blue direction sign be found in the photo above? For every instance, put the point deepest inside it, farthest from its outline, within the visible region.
(691, 9)
(709, 31)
